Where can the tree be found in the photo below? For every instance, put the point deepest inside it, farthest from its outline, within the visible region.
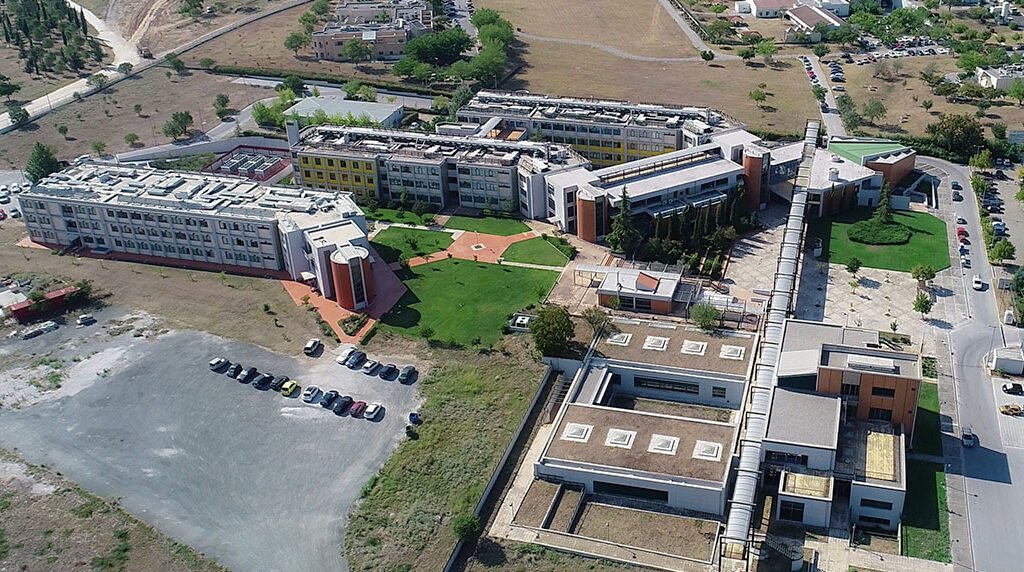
(853, 266)
(923, 273)
(308, 20)
(552, 329)
(923, 304)
(489, 66)
(17, 114)
(623, 236)
(998, 130)
(420, 208)
(707, 55)
(982, 160)
(596, 318)
(883, 212)
(137, 108)
(296, 41)
(970, 61)
(7, 87)
(767, 50)
(356, 51)
(746, 54)
(719, 29)
(63, 130)
(759, 96)
(466, 527)
(441, 104)
(221, 102)
(41, 163)
(873, 110)
(175, 62)
(292, 83)
(439, 48)
(98, 147)
(96, 80)
(819, 92)
(706, 316)
(178, 125)
(125, 68)
(927, 105)
(957, 133)
(321, 7)
(820, 50)
(206, 63)
(1003, 250)
(130, 139)
(1016, 91)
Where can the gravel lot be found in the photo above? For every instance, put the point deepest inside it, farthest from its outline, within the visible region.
(252, 479)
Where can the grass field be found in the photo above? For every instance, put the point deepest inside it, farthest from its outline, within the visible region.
(927, 432)
(159, 98)
(394, 243)
(925, 520)
(473, 402)
(392, 215)
(927, 244)
(640, 27)
(487, 225)
(463, 301)
(535, 251)
(33, 86)
(46, 520)
(588, 72)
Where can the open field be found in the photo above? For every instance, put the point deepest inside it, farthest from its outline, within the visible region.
(93, 118)
(927, 435)
(487, 225)
(396, 243)
(464, 302)
(535, 251)
(33, 86)
(473, 402)
(640, 27)
(261, 44)
(903, 97)
(588, 72)
(925, 520)
(927, 244)
(231, 304)
(47, 523)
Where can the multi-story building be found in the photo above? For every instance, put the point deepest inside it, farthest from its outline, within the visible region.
(605, 132)
(208, 222)
(1001, 77)
(385, 25)
(439, 170)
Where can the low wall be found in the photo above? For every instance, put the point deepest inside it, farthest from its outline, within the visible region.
(215, 147)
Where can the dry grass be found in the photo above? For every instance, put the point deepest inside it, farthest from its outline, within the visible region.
(109, 115)
(535, 504)
(689, 537)
(582, 71)
(903, 97)
(33, 86)
(562, 517)
(229, 306)
(640, 27)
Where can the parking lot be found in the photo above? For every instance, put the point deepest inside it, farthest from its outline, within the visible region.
(253, 479)
(1011, 211)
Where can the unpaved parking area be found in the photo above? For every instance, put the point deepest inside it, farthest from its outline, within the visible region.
(254, 480)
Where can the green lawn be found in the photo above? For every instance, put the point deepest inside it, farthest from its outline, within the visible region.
(487, 225)
(927, 245)
(392, 215)
(925, 521)
(535, 251)
(395, 243)
(927, 434)
(461, 301)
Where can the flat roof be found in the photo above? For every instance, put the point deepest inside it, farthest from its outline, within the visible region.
(857, 150)
(677, 438)
(872, 453)
(871, 360)
(644, 283)
(772, 4)
(637, 341)
(811, 16)
(802, 341)
(334, 105)
(846, 171)
(806, 485)
(787, 153)
(804, 419)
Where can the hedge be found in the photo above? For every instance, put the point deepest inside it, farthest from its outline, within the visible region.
(332, 78)
(873, 232)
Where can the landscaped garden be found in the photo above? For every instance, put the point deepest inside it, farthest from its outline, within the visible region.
(395, 243)
(926, 521)
(535, 251)
(499, 226)
(464, 302)
(403, 216)
(926, 244)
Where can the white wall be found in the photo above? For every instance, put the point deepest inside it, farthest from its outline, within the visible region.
(733, 388)
(817, 512)
(859, 491)
(817, 459)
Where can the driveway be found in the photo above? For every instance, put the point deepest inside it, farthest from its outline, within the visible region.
(254, 480)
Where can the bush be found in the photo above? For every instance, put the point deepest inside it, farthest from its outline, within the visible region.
(873, 232)
(353, 323)
(466, 526)
(563, 246)
(706, 316)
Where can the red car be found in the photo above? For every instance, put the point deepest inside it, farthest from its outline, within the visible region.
(3, 215)
(357, 408)
(961, 231)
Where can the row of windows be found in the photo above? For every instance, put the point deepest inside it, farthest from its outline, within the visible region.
(478, 172)
(40, 219)
(160, 218)
(870, 503)
(584, 129)
(397, 194)
(345, 177)
(418, 170)
(681, 387)
(189, 250)
(342, 163)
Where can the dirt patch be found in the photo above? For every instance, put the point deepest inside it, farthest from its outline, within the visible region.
(668, 533)
(48, 523)
(535, 504)
(566, 508)
(158, 25)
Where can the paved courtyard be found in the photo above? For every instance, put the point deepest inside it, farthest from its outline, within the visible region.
(754, 257)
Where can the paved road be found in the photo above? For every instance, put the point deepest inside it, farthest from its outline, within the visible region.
(695, 39)
(833, 122)
(252, 479)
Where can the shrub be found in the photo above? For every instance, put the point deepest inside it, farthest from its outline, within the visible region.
(466, 526)
(353, 323)
(706, 316)
(872, 231)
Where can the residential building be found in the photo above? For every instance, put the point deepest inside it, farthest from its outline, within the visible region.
(335, 106)
(208, 222)
(1001, 77)
(779, 8)
(808, 21)
(439, 170)
(605, 132)
(386, 41)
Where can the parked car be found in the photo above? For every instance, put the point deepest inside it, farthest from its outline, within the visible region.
(976, 282)
(388, 371)
(279, 382)
(957, 196)
(219, 363)
(961, 231)
(1013, 388)
(310, 394)
(370, 367)
(372, 411)
(1012, 409)
(263, 380)
(289, 388)
(312, 346)
(967, 437)
(357, 408)
(15, 213)
(345, 353)
(956, 186)
(965, 261)
(356, 360)
(247, 375)
(88, 320)
(342, 404)
(328, 399)
(408, 374)
(233, 370)
(960, 220)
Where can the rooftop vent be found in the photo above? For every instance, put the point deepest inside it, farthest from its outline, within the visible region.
(656, 343)
(707, 451)
(732, 352)
(577, 432)
(693, 348)
(871, 363)
(663, 444)
(620, 438)
(620, 339)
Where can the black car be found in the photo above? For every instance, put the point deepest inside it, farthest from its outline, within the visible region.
(278, 382)
(263, 380)
(342, 404)
(357, 359)
(328, 399)
(233, 370)
(407, 375)
(1013, 388)
(388, 371)
(247, 375)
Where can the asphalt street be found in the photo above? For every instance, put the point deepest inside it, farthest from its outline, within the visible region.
(254, 480)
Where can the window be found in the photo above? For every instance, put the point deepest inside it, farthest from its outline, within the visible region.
(883, 392)
(880, 414)
(682, 387)
(786, 458)
(873, 520)
(869, 503)
(789, 510)
(718, 392)
(850, 389)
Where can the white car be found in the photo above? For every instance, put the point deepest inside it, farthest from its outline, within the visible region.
(310, 393)
(346, 352)
(311, 346)
(960, 220)
(976, 282)
(372, 411)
